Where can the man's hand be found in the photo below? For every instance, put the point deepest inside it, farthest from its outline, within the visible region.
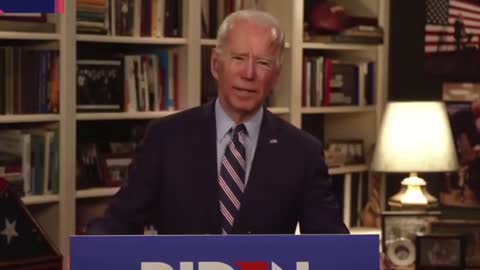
(66, 263)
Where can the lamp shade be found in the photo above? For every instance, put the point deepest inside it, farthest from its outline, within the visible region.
(415, 137)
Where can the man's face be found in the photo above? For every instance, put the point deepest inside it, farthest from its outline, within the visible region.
(245, 68)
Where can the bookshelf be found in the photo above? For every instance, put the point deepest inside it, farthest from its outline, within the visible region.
(52, 210)
(29, 118)
(131, 40)
(96, 192)
(60, 213)
(339, 47)
(338, 109)
(40, 199)
(121, 115)
(29, 36)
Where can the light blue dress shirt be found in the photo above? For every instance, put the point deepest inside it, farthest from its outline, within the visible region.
(224, 123)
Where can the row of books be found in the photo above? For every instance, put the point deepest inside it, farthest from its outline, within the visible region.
(214, 11)
(29, 81)
(147, 82)
(149, 18)
(29, 159)
(329, 82)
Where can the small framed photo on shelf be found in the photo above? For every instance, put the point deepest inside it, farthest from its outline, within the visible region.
(122, 147)
(88, 165)
(470, 230)
(115, 168)
(344, 152)
(399, 230)
(440, 251)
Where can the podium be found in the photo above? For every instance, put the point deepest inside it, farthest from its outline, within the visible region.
(231, 252)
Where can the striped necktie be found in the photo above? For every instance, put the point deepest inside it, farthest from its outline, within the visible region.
(232, 178)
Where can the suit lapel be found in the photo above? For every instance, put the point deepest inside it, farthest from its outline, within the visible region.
(208, 147)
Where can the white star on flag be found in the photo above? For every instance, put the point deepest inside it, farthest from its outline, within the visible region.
(9, 230)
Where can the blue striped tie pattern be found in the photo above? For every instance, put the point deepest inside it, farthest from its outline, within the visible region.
(232, 178)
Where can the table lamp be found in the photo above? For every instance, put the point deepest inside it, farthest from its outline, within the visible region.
(414, 136)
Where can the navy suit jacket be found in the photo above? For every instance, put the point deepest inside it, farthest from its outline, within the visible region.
(173, 182)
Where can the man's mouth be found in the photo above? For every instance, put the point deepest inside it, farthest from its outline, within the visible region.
(245, 90)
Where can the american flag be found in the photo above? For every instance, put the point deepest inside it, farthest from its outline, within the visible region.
(21, 240)
(440, 18)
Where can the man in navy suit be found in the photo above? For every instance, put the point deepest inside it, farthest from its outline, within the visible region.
(229, 166)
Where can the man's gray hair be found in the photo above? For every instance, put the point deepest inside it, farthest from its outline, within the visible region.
(256, 16)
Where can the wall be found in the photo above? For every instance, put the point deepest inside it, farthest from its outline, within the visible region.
(407, 78)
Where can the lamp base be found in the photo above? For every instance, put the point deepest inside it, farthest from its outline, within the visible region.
(413, 195)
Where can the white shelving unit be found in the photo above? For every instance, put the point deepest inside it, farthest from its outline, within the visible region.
(122, 115)
(213, 42)
(338, 109)
(348, 169)
(131, 40)
(54, 212)
(342, 122)
(96, 192)
(30, 36)
(59, 214)
(346, 47)
(40, 199)
(29, 118)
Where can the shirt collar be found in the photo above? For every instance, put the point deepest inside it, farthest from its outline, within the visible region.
(224, 122)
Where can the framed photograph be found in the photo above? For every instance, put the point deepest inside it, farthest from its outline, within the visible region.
(446, 55)
(471, 232)
(460, 188)
(115, 168)
(122, 147)
(88, 165)
(399, 230)
(344, 152)
(440, 251)
(100, 85)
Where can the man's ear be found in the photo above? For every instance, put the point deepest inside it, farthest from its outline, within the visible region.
(215, 62)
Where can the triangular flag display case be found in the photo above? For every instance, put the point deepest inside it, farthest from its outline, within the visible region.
(23, 244)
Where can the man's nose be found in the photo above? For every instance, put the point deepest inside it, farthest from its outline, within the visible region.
(248, 70)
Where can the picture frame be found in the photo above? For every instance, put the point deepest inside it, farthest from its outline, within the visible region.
(459, 190)
(100, 85)
(470, 229)
(88, 169)
(399, 230)
(440, 251)
(453, 62)
(115, 168)
(344, 152)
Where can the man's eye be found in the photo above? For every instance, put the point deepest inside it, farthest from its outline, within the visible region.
(264, 63)
(238, 58)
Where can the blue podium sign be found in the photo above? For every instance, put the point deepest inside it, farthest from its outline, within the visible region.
(252, 252)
